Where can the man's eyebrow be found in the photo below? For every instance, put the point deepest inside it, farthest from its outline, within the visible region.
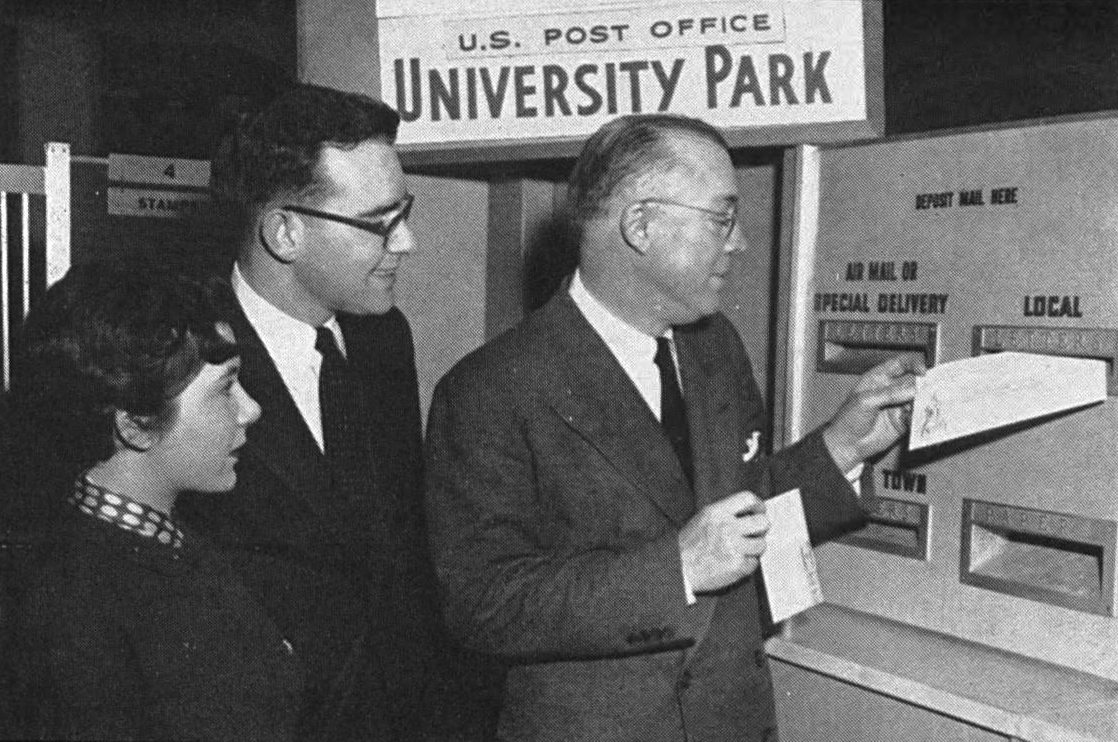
(381, 210)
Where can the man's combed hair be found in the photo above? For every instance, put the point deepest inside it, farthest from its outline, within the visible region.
(274, 152)
(116, 336)
(625, 148)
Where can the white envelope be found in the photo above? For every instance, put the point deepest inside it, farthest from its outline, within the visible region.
(989, 391)
(788, 563)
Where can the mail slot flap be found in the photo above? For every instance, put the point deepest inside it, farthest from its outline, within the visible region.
(894, 526)
(1096, 343)
(1058, 558)
(854, 346)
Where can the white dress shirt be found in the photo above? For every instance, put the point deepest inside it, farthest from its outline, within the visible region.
(633, 349)
(290, 343)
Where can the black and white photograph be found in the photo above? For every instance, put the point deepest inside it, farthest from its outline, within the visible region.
(580, 371)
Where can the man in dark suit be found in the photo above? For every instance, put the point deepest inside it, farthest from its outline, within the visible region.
(326, 521)
(594, 490)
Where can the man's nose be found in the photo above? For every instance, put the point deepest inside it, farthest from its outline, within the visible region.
(402, 239)
(736, 242)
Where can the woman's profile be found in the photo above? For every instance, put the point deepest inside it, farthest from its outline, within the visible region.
(125, 394)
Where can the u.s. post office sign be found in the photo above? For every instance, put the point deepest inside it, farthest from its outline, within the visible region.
(523, 70)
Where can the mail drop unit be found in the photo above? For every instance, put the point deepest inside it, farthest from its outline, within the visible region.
(998, 545)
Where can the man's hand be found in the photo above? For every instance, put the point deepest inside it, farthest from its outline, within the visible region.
(723, 542)
(876, 413)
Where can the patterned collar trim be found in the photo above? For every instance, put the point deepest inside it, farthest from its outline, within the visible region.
(125, 513)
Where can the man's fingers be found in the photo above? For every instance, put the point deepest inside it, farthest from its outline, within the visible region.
(740, 503)
(900, 417)
(887, 372)
(754, 547)
(754, 525)
(903, 365)
(895, 394)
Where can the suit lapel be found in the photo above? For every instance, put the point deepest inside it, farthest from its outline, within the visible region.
(365, 362)
(280, 440)
(592, 394)
(362, 359)
(708, 391)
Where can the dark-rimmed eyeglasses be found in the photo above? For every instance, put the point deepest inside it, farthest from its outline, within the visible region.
(724, 220)
(382, 227)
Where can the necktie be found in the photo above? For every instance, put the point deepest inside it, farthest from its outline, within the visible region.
(340, 424)
(673, 413)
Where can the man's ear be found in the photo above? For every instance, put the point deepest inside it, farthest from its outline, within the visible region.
(134, 431)
(634, 227)
(281, 233)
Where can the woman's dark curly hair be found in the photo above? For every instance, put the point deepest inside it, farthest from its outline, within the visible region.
(127, 336)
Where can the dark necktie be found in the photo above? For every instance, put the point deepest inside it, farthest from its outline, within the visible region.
(340, 419)
(673, 414)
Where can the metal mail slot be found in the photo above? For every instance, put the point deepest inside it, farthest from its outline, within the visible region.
(1058, 558)
(1098, 343)
(854, 347)
(894, 526)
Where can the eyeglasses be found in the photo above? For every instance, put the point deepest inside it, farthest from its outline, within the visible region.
(725, 220)
(394, 214)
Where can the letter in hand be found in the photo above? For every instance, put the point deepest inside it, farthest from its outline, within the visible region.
(876, 413)
(723, 542)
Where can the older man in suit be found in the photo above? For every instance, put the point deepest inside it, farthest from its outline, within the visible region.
(594, 498)
(326, 521)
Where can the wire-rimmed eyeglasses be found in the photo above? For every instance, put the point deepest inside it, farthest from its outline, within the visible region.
(724, 220)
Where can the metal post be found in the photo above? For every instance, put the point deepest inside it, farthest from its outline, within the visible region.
(56, 183)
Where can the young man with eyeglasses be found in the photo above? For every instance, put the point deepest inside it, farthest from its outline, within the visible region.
(594, 487)
(326, 521)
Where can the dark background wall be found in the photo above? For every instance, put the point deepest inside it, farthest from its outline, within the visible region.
(153, 78)
(161, 77)
(8, 118)
(952, 63)
(148, 77)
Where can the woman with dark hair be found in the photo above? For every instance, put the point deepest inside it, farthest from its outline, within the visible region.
(132, 628)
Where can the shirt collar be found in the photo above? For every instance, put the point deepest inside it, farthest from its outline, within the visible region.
(124, 512)
(624, 340)
(283, 335)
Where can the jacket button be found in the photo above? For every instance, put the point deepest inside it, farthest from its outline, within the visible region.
(684, 680)
(759, 657)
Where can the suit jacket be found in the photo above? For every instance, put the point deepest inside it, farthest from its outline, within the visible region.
(349, 583)
(555, 501)
(122, 637)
